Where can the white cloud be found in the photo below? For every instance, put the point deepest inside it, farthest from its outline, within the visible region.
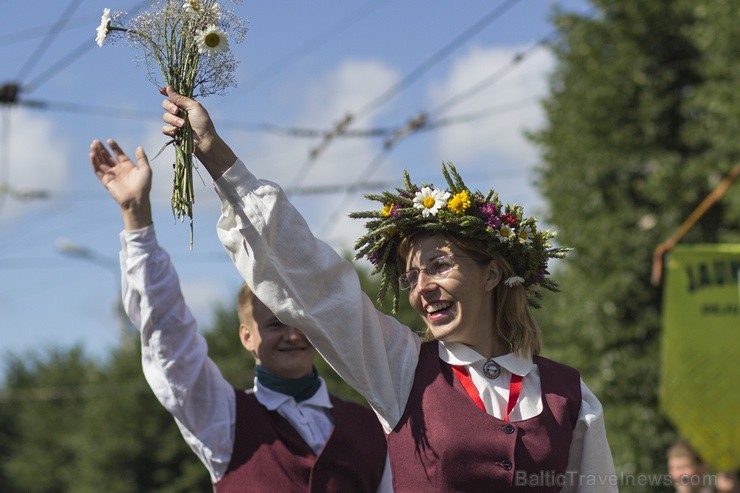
(326, 100)
(493, 151)
(512, 100)
(37, 159)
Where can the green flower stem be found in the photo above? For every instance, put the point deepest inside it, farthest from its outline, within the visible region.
(183, 195)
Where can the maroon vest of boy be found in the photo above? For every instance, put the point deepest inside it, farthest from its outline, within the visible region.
(270, 456)
(445, 442)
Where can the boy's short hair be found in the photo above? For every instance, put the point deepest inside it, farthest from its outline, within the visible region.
(681, 448)
(244, 303)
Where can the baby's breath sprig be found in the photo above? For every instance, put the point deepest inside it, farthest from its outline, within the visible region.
(503, 229)
(184, 44)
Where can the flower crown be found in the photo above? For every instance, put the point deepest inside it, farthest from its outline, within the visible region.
(502, 229)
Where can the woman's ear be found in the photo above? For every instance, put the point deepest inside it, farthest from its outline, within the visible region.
(493, 275)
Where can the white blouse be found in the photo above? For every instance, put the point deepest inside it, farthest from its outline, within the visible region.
(306, 284)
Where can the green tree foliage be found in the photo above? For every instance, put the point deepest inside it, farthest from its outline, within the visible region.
(8, 436)
(641, 124)
(129, 442)
(84, 426)
(40, 397)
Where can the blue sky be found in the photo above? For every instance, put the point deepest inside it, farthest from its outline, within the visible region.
(302, 65)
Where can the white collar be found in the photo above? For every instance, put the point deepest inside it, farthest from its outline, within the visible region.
(457, 353)
(272, 400)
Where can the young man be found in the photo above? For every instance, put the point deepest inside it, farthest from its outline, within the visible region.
(289, 434)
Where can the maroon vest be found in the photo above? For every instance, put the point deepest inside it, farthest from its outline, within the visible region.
(270, 456)
(444, 442)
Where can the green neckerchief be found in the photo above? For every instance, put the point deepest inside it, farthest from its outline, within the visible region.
(298, 388)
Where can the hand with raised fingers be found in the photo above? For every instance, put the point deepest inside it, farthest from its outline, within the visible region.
(128, 183)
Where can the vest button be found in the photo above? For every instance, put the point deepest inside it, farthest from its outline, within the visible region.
(508, 429)
(506, 464)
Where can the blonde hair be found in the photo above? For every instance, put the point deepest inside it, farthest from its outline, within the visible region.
(514, 324)
(245, 304)
(682, 449)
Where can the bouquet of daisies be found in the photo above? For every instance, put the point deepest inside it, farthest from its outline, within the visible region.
(185, 45)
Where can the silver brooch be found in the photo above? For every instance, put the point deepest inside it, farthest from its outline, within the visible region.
(491, 369)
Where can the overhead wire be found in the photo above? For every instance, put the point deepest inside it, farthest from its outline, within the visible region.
(491, 79)
(404, 83)
(47, 41)
(477, 88)
(393, 134)
(332, 220)
(414, 75)
(423, 122)
(60, 65)
(398, 132)
(67, 60)
(129, 113)
(5, 187)
(267, 128)
(308, 46)
(34, 32)
(435, 58)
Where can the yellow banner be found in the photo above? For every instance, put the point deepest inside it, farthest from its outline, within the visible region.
(700, 383)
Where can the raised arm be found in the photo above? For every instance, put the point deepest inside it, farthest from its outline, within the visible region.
(303, 281)
(174, 354)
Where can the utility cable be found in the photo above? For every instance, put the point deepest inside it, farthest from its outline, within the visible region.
(34, 32)
(305, 48)
(331, 189)
(437, 57)
(366, 173)
(404, 83)
(417, 124)
(47, 41)
(488, 81)
(68, 59)
(58, 66)
(134, 114)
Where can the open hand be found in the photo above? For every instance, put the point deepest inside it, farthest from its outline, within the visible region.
(129, 184)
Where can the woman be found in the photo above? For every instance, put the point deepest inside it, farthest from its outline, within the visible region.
(473, 409)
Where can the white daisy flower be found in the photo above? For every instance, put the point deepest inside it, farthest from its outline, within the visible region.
(525, 235)
(514, 281)
(430, 201)
(212, 40)
(195, 7)
(192, 6)
(102, 29)
(504, 233)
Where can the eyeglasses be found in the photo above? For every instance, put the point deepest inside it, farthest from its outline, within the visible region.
(439, 268)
